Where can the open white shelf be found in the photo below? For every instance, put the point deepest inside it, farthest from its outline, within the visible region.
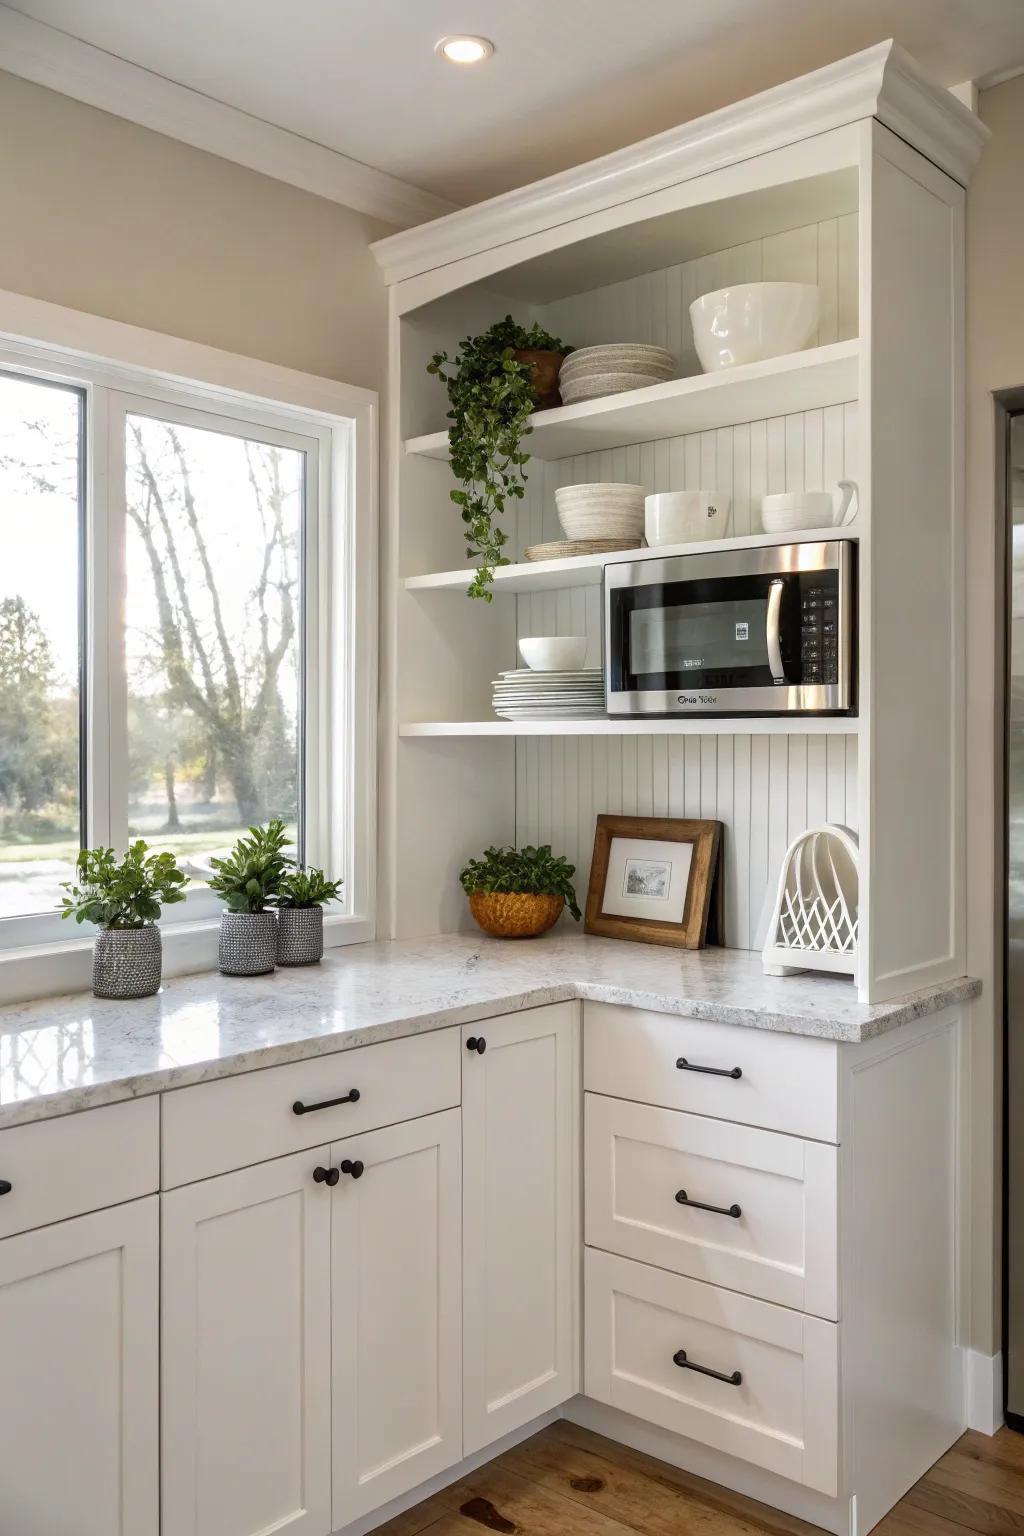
(801, 381)
(586, 570)
(775, 725)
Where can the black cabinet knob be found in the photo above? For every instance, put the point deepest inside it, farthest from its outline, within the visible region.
(5, 1186)
(476, 1043)
(354, 1167)
(328, 1176)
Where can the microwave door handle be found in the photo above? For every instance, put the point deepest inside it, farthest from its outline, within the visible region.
(776, 668)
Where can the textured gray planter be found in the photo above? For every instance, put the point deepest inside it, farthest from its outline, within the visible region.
(126, 962)
(300, 935)
(248, 943)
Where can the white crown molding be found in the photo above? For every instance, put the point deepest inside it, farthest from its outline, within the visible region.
(63, 63)
(882, 82)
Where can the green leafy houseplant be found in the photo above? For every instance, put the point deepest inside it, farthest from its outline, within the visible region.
(522, 871)
(304, 888)
(249, 879)
(491, 395)
(126, 893)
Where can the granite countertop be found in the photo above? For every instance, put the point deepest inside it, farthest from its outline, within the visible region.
(69, 1053)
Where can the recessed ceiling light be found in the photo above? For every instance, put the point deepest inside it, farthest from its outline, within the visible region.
(464, 50)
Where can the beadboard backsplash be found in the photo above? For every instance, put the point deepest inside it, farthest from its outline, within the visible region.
(655, 308)
(765, 789)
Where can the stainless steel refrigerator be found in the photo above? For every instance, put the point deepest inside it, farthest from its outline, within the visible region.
(1013, 1312)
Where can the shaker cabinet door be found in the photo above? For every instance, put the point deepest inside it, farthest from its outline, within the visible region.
(246, 1335)
(78, 1380)
(520, 1118)
(396, 1286)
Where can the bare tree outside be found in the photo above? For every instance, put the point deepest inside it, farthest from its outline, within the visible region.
(212, 637)
(213, 623)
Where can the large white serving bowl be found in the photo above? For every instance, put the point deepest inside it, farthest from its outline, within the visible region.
(681, 517)
(554, 653)
(753, 321)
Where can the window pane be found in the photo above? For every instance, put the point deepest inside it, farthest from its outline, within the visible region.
(214, 625)
(41, 445)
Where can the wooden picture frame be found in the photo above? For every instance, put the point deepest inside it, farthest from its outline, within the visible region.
(647, 878)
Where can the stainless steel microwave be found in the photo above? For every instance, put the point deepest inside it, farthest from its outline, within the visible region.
(762, 631)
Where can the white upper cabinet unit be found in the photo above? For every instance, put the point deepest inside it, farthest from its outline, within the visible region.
(396, 1242)
(851, 179)
(520, 1107)
(79, 1405)
(246, 1352)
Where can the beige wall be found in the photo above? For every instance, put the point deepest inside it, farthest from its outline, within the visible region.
(995, 360)
(101, 215)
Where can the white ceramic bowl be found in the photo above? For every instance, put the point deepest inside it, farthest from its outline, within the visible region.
(681, 517)
(753, 321)
(554, 653)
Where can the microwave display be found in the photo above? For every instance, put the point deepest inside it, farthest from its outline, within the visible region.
(759, 631)
(700, 637)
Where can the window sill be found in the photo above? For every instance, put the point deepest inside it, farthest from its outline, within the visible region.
(48, 970)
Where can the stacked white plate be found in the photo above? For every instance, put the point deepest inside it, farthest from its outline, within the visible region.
(591, 372)
(605, 510)
(528, 695)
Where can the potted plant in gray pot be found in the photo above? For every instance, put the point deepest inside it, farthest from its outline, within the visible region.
(300, 915)
(123, 898)
(248, 882)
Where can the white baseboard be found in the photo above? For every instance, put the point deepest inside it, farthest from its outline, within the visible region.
(983, 1375)
(445, 1479)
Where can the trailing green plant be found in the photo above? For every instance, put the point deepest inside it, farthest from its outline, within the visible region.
(249, 879)
(531, 871)
(491, 395)
(307, 888)
(122, 893)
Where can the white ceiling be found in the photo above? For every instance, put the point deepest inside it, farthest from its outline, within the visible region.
(569, 79)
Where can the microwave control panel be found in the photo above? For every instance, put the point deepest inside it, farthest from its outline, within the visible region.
(819, 628)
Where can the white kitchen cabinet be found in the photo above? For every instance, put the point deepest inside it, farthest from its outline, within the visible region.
(246, 1352)
(396, 1247)
(79, 1352)
(520, 1116)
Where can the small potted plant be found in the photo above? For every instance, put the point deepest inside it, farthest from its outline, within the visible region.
(495, 380)
(123, 898)
(248, 882)
(300, 915)
(519, 893)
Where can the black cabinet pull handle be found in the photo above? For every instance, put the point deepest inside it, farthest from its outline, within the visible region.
(352, 1097)
(476, 1043)
(698, 1205)
(735, 1379)
(5, 1186)
(354, 1168)
(328, 1176)
(688, 1066)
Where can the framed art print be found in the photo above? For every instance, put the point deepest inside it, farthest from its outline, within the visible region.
(652, 879)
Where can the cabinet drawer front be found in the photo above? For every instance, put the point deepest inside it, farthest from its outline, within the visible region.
(78, 1163)
(772, 1232)
(782, 1413)
(782, 1082)
(238, 1121)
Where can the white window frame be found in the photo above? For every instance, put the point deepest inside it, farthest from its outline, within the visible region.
(124, 369)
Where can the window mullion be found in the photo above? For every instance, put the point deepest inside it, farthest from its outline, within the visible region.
(96, 577)
(114, 638)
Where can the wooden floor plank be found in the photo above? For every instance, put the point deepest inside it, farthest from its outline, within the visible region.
(567, 1481)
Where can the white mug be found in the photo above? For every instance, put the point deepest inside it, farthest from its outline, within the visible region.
(681, 517)
(790, 510)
